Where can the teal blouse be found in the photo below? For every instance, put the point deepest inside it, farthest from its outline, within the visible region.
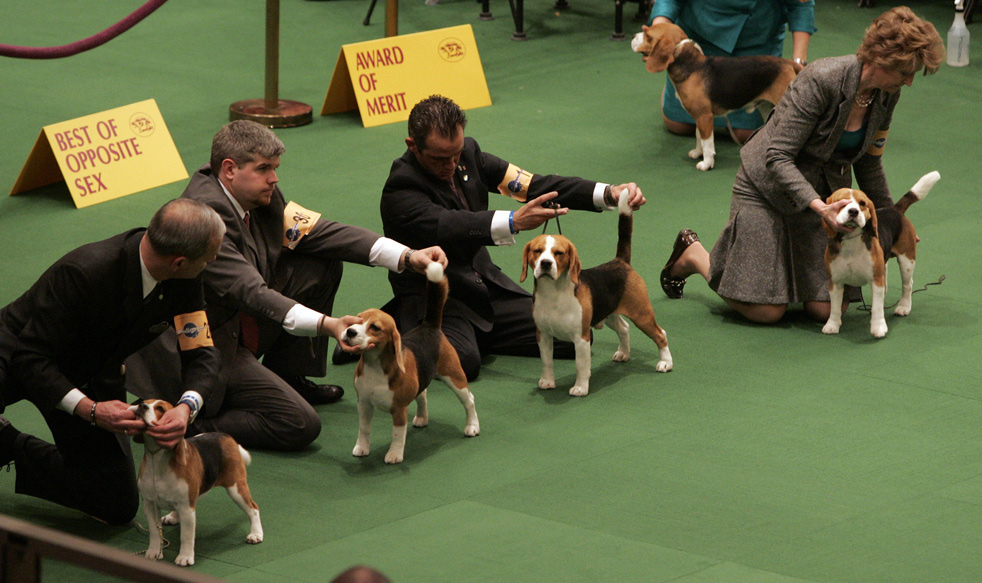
(738, 27)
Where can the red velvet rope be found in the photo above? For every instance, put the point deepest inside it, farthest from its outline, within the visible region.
(84, 44)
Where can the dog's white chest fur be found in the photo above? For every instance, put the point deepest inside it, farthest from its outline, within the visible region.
(853, 265)
(373, 384)
(556, 311)
(159, 484)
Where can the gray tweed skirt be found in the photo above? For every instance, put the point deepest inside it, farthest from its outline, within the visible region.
(765, 257)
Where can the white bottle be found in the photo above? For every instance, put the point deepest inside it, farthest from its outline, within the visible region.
(958, 37)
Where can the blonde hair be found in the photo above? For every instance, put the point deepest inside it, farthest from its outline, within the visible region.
(899, 40)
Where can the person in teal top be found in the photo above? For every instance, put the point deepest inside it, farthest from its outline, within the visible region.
(734, 28)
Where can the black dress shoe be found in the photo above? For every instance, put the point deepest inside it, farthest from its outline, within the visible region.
(341, 357)
(316, 394)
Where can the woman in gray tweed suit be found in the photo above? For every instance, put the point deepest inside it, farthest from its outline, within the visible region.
(831, 123)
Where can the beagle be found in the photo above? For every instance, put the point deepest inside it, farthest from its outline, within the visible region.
(395, 369)
(859, 257)
(569, 300)
(711, 86)
(175, 478)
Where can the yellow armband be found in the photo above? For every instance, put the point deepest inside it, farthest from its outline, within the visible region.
(192, 330)
(297, 222)
(879, 141)
(515, 184)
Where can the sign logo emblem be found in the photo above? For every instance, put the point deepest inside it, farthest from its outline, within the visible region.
(452, 50)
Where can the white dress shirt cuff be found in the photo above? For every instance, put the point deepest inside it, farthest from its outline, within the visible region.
(598, 196)
(70, 401)
(387, 253)
(302, 321)
(501, 228)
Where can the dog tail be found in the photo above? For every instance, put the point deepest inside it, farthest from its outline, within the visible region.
(437, 289)
(625, 228)
(918, 191)
(246, 458)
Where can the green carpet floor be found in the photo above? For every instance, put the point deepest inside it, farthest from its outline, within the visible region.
(769, 455)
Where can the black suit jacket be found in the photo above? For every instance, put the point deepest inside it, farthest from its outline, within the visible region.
(421, 210)
(85, 315)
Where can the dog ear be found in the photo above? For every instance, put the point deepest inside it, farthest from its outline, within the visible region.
(872, 220)
(574, 265)
(397, 346)
(662, 55)
(525, 261)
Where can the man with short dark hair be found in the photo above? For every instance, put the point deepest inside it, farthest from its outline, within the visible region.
(62, 346)
(437, 194)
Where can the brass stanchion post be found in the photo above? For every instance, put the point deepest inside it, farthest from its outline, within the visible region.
(272, 111)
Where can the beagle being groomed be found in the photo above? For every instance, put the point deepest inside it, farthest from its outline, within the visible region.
(398, 369)
(569, 300)
(711, 86)
(859, 257)
(175, 479)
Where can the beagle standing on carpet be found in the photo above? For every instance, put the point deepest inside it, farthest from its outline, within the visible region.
(395, 369)
(569, 300)
(859, 257)
(175, 479)
(711, 86)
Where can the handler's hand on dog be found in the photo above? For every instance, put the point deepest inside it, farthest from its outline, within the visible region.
(828, 213)
(111, 415)
(636, 198)
(423, 257)
(171, 427)
(336, 327)
(533, 213)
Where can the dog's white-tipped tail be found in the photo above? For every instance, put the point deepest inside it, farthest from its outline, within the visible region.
(623, 204)
(246, 458)
(925, 184)
(434, 272)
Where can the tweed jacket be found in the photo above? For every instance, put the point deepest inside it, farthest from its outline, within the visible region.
(85, 315)
(241, 277)
(420, 210)
(792, 160)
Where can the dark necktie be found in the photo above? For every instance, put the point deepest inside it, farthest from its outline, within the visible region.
(458, 193)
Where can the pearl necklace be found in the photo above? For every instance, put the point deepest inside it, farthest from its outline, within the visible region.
(865, 101)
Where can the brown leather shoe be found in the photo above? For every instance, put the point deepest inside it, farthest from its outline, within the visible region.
(316, 394)
(673, 286)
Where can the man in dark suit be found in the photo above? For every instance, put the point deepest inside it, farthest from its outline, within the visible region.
(62, 345)
(270, 292)
(437, 194)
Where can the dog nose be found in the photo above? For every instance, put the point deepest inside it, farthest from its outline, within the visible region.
(545, 264)
(350, 333)
(853, 212)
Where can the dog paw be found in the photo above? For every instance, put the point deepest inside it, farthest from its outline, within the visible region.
(830, 328)
(472, 429)
(902, 309)
(254, 539)
(695, 154)
(154, 554)
(621, 356)
(663, 366)
(170, 518)
(578, 391)
(878, 330)
(184, 560)
(420, 421)
(360, 450)
(546, 384)
(705, 165)
(393, 457)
